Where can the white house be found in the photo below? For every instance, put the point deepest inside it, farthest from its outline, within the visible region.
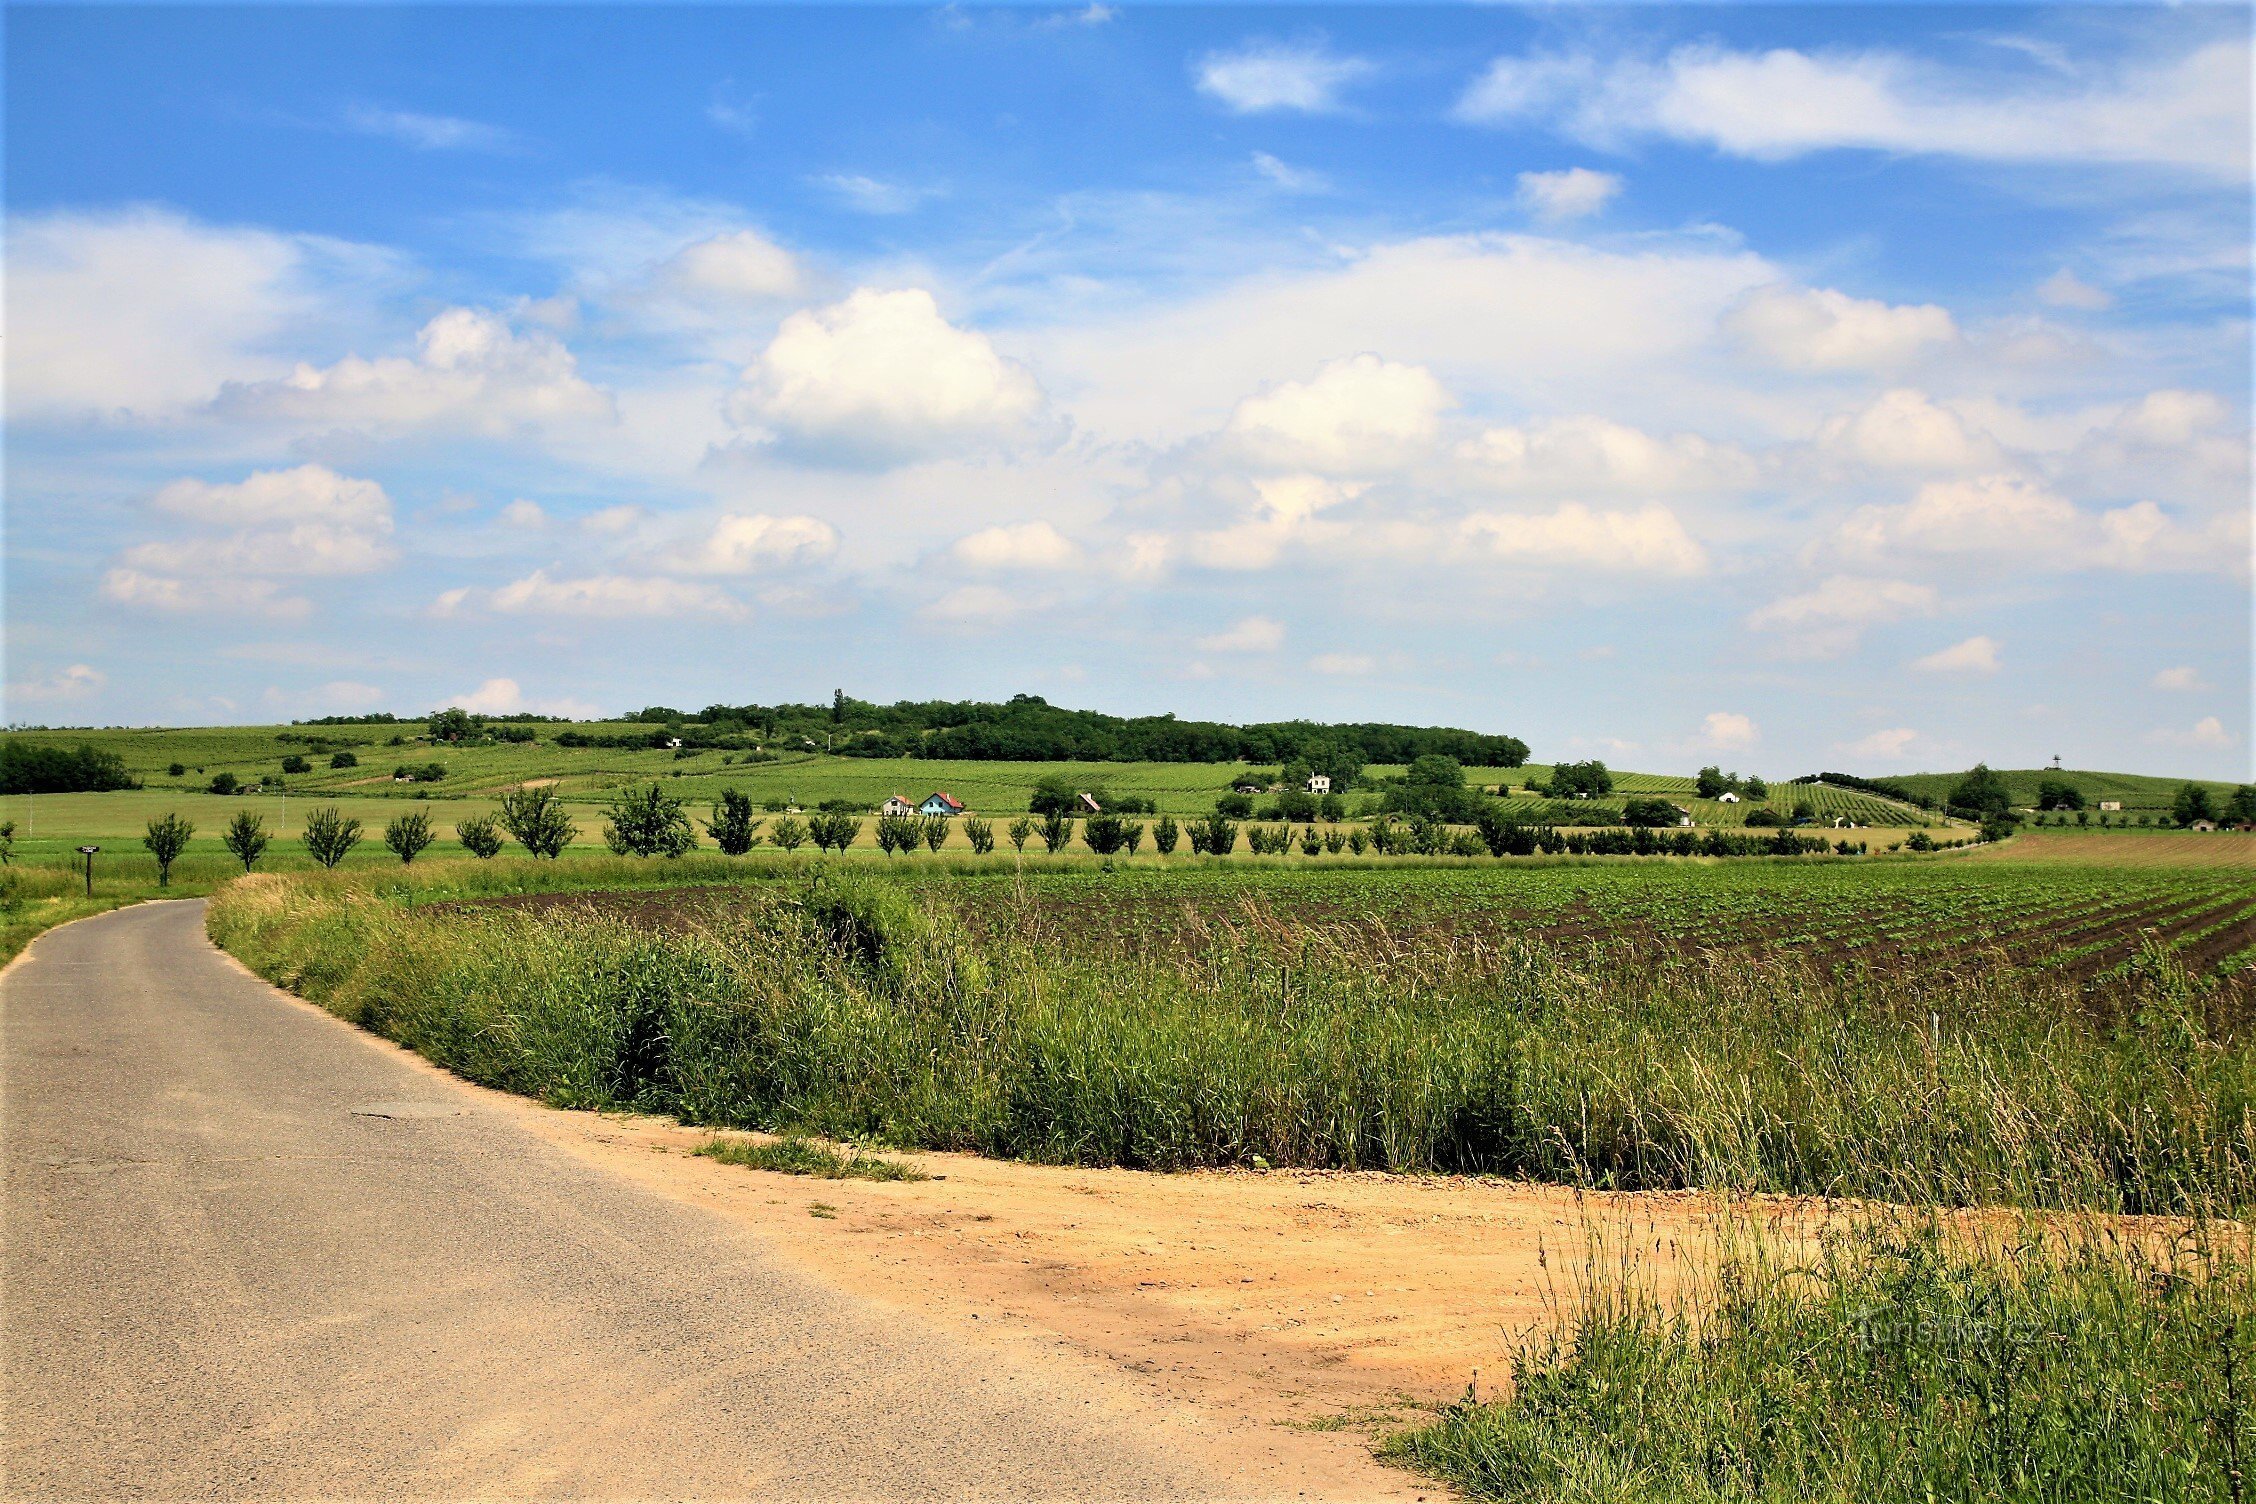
(898, 807)
(1727, 797)
(941, 806)
(2110, 806)
(1683, 815)
(1319, 783)
(673, 743)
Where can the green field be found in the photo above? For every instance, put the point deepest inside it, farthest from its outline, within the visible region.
(2138, 792)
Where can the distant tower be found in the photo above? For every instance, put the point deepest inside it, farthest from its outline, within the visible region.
(2056, 762)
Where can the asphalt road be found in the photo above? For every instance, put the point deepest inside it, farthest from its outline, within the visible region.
(252, 1254)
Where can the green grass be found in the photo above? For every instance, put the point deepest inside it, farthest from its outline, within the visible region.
(2138, 792)
(795, 1155)
(967, 1013)
(1897, 1363)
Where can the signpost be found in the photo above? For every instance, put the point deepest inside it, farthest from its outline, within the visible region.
(88, 853)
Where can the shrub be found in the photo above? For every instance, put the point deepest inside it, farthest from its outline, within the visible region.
(834, 830)
(896, 833)
(1235, 806)
(177, 770)
(1214, 835)
(734, 828)
(1357, 841)
(479, 836)
(408, 835)
(343, 760)
(648, 821)
(1021, 831)
(1763, 817)
(1650, 813)
(1057, 830)
(26, 769)
(1104, 833)
(245, 837)
(226, 783)
(7, 841)
(980, 834)
(1165, 833)
(167, 837)
(935, 832)
(790, 833)
(329, 834)
(1311, 844)
(295, 763)
(536, 819)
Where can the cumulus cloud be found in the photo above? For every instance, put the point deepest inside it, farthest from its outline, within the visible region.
(2179, 680)
(1905, 429)
(1286, 512)
(741, 543)
(1976, 655)
(77, 681)
(882, 377)
(1649, 540)
(1250, 634)
(2006, 516)
(1023, 545)
(2189, 111)
(507, 697)
(308, 493)
(1261, 77)
(1345, 665)
(471, 372)
(739, 264)
(2064, 289)
(613, 596)
(1587, 451)
(1728, 731)
(1355, 415)
(1893, 744)
(2208, 732)
(1575, 193)
(1831, 619)
(523, 513)
(975, 606)
(1822, 329)
(272, 525)
(209, 596)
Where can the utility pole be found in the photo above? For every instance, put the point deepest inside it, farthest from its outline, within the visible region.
(88, 853)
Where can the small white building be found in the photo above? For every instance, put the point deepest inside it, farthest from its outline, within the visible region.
(1319, 783)
(897, 807)
(2110, 806)
(2204, 825)
(1727, 797)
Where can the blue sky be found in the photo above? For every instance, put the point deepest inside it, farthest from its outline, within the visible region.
(1791, 387)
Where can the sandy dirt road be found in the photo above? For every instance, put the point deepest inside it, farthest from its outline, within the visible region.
(252, 1253)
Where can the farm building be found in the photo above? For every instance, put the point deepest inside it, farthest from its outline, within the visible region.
(1727, 797)
(2110, 806)
(1683, 815)
(1090, 805)
(1246, 787)
(2204, 825)
(945, 806)
(897, 806)
(1319, 783)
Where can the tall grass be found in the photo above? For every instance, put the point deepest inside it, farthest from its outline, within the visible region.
(1896, 1361)
(868, 1010)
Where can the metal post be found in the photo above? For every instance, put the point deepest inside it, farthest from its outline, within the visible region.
(88, 853)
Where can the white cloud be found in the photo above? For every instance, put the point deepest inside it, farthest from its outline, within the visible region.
(738, 264)
(613, 596)
(1821, 329)
(1345, 665)
(209, 596)
(1286, 512)
(1587, 451)
(976, 606)
(2209, 731)
(2190, 111)
(1575, 193)
(1904, 429)
(2180, 680)
(1288, 177)
(882, 376)
(1829, 620)
(1251, 634)
(2064, 289)
(308, 493)
(1355, 415)
(147, 312)
(747, 542)
(1265, 76)
(470, 372)
(1648, 541)
(1893, 744)
(1023, 545)
(1728, 731)
(523, 513)
(507, 697)
(1976, 655)
(1998, 516)
(428, 132)
(874, 195)
(78, 681)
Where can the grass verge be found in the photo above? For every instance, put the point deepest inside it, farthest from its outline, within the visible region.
(795, 1155)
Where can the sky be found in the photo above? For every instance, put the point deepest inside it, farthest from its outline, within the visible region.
(1793, 388)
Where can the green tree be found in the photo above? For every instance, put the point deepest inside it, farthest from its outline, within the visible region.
(1581, 780)
(980, 834)
(1104, 833)
(479, 836)
(343, 760)
(2192, 803)
(245, 837)
(167, 837)
(935, 833)
(329, 834)
(1165, 834)
(1219, 837)
(1713, 783)
(1132, 836)
(295, 763)
(1981, 792)
(536, 820)
(408, 835)
(1234, 806)
(790, 832)
(1056, 831)
(453, 724)
(7, 842)
(648, 821)
(1021, 831)
(896, 833)
(2242, 809)
(734, 828)
(177, 770)
(225, 783)
(2058, 793)
(1757, 789)
(1649, 813)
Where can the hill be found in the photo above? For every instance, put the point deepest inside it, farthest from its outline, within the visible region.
(2140, 793)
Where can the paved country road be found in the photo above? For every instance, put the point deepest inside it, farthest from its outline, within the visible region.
(251, 1253)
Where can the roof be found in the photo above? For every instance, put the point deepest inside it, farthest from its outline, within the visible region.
(949, 800)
